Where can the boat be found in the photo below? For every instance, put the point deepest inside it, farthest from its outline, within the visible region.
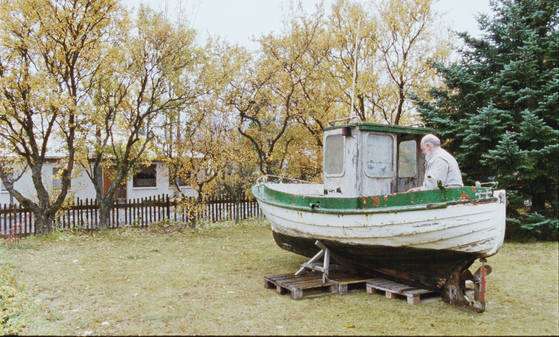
(365, 216)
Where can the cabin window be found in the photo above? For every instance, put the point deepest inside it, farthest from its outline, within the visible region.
(334, 155)
(379, 156)
(57, 178)
(407, 159)
(146, 178)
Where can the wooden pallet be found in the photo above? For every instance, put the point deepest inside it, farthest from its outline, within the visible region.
(351, 283)
(308, 285)
(393, 289)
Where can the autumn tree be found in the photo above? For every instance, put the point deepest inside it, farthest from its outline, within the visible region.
(50, 51)
(270, 96)
(409, 39)
(352, 61)
(147, 80)
(240, 171)
(250, 97)
(379, 56)
(197, 138)
(318, 102)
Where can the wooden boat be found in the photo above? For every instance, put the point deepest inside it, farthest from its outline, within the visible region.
(364, 216)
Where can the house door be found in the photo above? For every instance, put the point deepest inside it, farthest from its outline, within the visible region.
(120, 193)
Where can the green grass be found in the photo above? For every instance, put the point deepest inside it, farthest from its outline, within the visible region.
(210, 280)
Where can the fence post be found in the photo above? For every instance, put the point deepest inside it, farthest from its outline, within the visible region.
(168, 207)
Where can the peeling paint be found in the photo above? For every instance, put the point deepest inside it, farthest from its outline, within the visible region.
(427, 224)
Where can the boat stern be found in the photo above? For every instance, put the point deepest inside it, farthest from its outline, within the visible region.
(500, 222)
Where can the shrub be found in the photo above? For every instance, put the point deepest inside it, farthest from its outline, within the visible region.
(532, 227)
(13, 303)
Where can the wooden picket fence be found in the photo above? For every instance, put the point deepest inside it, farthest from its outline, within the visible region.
(84, 214)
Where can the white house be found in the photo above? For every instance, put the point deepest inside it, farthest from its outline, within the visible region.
(151, 181)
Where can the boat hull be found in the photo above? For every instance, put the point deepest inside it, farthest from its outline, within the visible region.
(420, 246)
(427, 268)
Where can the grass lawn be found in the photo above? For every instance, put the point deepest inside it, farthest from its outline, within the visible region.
(210, 280)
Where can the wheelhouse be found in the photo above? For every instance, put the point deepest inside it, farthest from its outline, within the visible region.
(362, 159)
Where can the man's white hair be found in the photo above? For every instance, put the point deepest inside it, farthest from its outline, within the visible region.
(431, 139)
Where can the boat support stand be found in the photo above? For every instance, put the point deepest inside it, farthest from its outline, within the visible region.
(455, 288)
(325, 266)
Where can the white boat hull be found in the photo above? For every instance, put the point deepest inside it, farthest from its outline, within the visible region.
(470, 227)
(410, 238)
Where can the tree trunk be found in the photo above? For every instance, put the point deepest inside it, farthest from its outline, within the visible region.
(237, 209)
(105, 212)
(43, 221)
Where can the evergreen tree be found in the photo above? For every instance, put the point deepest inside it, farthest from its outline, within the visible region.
(499, 111)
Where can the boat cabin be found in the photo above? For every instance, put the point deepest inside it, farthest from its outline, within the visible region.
(363, 159)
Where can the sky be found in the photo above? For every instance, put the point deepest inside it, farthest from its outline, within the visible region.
(239, 20)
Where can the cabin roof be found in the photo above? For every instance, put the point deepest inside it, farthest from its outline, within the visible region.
(365, 126)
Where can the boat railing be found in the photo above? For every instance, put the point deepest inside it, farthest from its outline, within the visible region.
(490, 184)
(487, 194)
(281, 180)
(417, 125)
(348, 119)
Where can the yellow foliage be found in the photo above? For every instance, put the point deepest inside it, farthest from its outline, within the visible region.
(98, 85)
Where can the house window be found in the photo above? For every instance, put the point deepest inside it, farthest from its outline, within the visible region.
(57, 178)
(146, 178)
(379, 156)
(334, 155)
(407, 159)
(177, 182)
(175, 179)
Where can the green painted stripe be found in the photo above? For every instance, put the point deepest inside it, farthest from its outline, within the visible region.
(397, 202)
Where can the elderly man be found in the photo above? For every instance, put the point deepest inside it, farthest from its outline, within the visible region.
(441, 165)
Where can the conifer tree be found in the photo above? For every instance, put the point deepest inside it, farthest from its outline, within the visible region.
(499, 110)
